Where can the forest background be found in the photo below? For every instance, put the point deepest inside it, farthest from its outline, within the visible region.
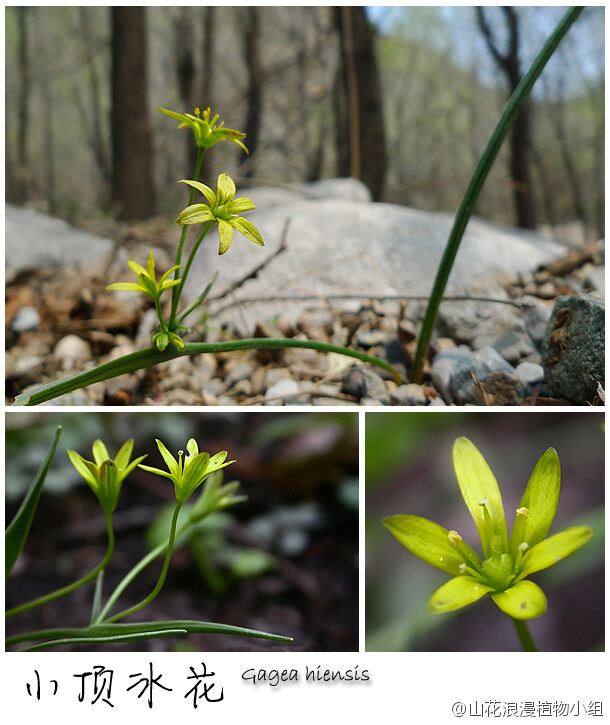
(403, 98)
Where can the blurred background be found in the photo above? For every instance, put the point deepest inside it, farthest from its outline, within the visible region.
(409, 470)
(285, 561)
(404, 98)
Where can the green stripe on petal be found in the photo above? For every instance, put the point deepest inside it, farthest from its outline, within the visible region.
(195, 214)
(427, 540)
(540, 501)
(242, 204)
(225, 233)
(554, 549)
(525, 600)
(457, 593)
(205, 190)
(226, 188)
(248, 229)
(479, 486)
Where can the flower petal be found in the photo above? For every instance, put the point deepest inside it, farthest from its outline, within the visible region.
(157, 471)
(205, 190)
(478, 485)
(100, 452)
(540, 499)
(127, 286)
(248, 230)
(171, 463)
(226, 188)
(122, 457)
(524, 600)
(427, 540)
(195, 214)
(136, 268)
(244, 203)
(554, 549)
(80, 464)
(225, 233)
(457, 593)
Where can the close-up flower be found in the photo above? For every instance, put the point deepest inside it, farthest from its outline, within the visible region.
(189, 471)
(147, 282)
(104, 475)
(222, 207)
(207, 131)
(505, 564)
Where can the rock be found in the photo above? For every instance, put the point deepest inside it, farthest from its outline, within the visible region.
(347, 247)
(242, 371)
(530, 373)
(536, 319)
(71, 352)
(287, 389)
(480, 364)
(513, 346)
(370, 338)
(596, 278)
(442, 365)
(34, 240)
(410, 394)
(500, 388)
(360, 383)
(25, 319)
(574, 349)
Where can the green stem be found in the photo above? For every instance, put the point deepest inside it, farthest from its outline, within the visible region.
(175, 294)
(161, 579)
(187, 268)
(151, 356)
(524, 635)
(199, 299)
(464, 213)
(75, 585)
(131, 575)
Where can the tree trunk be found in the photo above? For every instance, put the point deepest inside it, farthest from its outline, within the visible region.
(185, 71)
(23, 103)
(254, 92)
(207, 76)
(360, 133)
(520, 140)
(131, 133)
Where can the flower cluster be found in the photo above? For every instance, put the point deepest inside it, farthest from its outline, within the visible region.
(147, 281)
(506, 562)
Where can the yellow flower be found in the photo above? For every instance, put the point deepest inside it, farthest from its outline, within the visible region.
(146, 279)
(207, 131)
(222, 207)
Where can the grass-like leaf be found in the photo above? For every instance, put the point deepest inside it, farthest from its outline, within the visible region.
(17, 531)
(466, 209)
(101, 640)
(151, 356)
(110, 632)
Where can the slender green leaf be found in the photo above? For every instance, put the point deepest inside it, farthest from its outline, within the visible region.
(100, 640)
(477, 181)
(114, 630)
(151, 356)
(17, 531)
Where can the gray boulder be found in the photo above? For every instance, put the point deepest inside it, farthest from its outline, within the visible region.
(345, 246)
(35, 240)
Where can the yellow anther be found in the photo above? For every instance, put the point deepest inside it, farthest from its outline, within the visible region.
(484, 502)
(523, 512)
(462, 568)
(454, 537)
(523, 546)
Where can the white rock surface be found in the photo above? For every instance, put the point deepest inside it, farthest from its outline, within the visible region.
(338, 245)
(35, 240)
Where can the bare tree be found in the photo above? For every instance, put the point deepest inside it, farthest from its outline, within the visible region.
(131, 133)
(23, 102)
(254, 90)
(360, 136)
(520, 141)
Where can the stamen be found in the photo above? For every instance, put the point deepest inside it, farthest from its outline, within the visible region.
(523, 512)
(523, 546)
(454, 537)
(462, 568)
